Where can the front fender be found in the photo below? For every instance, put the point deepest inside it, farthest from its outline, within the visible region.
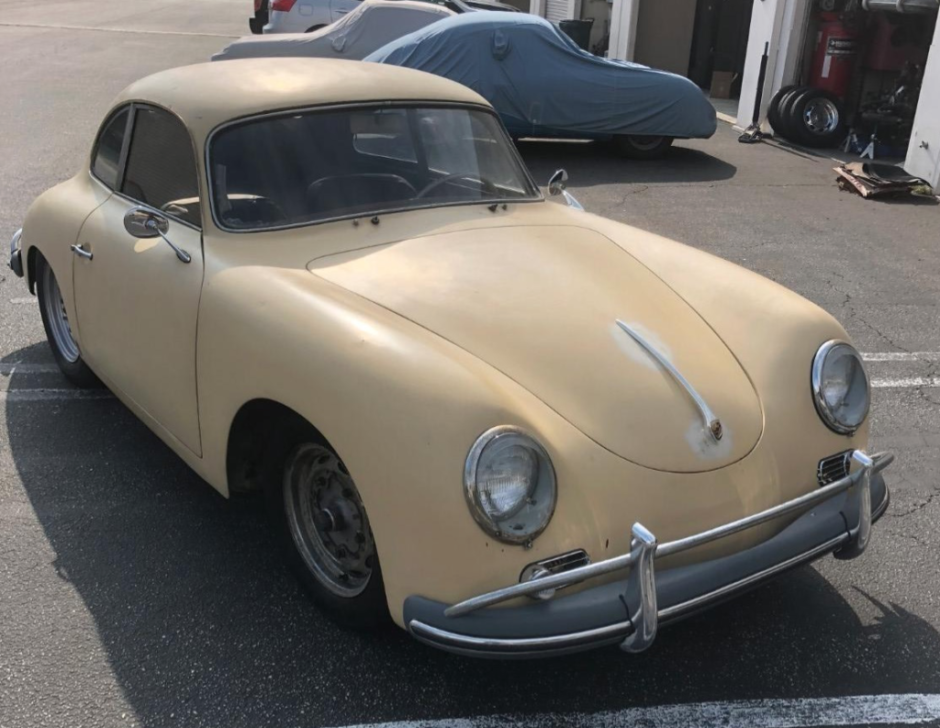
(52, 224)
(401, 406)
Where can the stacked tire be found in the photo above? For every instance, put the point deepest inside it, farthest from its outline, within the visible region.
(807, 116)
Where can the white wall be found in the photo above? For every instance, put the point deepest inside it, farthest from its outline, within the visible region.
(623, 21)
(923, 153)
(781, 25)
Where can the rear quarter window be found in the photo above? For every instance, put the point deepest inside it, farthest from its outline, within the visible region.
(106, 157)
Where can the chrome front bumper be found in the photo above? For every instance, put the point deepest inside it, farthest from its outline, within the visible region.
(837, 518)
(16, 256)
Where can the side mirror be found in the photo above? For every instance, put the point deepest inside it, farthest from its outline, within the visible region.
(558, 182)
(142, 223)
(557, 185)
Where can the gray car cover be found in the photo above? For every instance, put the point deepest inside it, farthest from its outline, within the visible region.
(354, 36)
(542, 84)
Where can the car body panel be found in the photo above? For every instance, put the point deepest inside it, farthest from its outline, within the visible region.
(540, 304)
(399, 400)
(137, 313)
(542, 84)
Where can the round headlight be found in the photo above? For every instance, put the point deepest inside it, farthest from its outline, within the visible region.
(840, 387)
(509, 483)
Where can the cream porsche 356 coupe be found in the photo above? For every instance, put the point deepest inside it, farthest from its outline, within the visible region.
(513, 427)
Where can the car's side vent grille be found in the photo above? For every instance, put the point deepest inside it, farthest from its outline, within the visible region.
(555, 565)
(833, 468)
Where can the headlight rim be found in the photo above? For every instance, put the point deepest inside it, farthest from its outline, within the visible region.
(471, 465)
(822, 407)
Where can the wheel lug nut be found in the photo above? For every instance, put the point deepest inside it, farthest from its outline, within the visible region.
(341, 551)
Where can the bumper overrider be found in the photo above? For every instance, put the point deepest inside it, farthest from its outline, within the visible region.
(836, 518)
(16, 256)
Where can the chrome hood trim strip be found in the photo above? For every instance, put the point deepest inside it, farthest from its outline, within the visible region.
(709, 419)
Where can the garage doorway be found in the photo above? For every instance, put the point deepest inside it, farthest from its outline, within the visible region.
(719, 50)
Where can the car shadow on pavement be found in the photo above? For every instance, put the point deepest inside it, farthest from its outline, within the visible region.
(595, 163)
(201, 623)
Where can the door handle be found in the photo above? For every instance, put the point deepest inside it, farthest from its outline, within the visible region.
(80, 251)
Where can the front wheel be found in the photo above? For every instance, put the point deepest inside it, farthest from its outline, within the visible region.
(642, 147)
(55, 320)
(325, 531)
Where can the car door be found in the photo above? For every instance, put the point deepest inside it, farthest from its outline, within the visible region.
(137, 274)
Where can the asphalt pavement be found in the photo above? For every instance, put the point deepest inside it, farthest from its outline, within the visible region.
(132, 594)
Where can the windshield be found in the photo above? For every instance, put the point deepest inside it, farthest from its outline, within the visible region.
(300, 168)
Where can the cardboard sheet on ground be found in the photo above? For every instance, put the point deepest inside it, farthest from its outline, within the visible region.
(543, 84)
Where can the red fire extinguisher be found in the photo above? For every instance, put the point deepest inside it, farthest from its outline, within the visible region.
(834, 59)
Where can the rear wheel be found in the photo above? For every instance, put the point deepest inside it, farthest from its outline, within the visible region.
(642, 147)
(55, 321)
(325, 531)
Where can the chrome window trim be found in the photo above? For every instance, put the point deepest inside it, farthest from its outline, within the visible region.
(822, 409)
(470, 483)
(402, 103)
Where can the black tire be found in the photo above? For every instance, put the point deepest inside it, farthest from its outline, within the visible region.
(368, 608)
(58, 332)
(816, 119)
(773, 109)
(642, 147)
(314, 27)
(783, 112)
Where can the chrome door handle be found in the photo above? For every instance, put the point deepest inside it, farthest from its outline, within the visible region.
(82, 253)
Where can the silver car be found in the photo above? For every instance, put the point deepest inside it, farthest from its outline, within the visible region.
(303, 16)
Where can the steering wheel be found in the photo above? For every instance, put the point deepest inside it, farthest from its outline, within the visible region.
(484, 183)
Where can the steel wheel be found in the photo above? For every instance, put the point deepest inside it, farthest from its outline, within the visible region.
(642, 147)
(814, 118)
(54, 307)
(646, 143)
(327, 521)
(821, 116)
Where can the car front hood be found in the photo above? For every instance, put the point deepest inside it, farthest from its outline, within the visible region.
(541, 305)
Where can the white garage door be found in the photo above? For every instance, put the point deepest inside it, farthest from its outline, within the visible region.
(556, 10)
(923, 154)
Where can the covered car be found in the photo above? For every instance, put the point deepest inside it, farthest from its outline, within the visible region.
(542, 84)
(354, 36)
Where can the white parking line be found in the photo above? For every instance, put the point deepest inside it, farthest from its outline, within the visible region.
(6, 369)
(50, 26)
(863, 710)
(31, 368)
(902, 356)
(44, 395)
(908, 383)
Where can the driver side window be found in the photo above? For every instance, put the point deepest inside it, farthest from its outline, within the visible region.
(161, 167)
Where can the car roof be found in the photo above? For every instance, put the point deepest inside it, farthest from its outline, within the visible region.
(209, 94)
(422, 5)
